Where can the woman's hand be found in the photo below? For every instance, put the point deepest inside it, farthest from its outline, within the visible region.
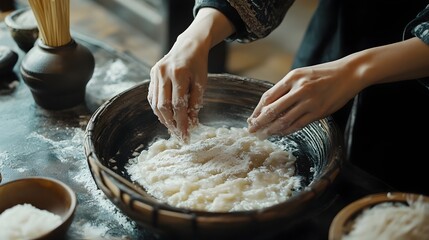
(308, 94)
(303, 96)
(178, 80)
(177, 85)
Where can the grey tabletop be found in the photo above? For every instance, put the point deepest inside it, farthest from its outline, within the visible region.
(38, 142)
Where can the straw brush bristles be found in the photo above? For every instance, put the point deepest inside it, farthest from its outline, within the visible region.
(53, 20)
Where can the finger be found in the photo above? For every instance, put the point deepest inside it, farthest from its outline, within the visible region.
(153, 88)
(150, 88)
(279, 126)
(299, 124)
(180, 114)
(196, 100)
(180, 98)
(271, 112)
(163, 103)
(271, 95)
(266, 99)
(153, 94)
(292, 120)
(300, 115)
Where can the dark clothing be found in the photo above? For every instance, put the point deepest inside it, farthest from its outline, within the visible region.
(390, 125)
(390, 119)
(419, 27)
(253, 19)
(339, 28)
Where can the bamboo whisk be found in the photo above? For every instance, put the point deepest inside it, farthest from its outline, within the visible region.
(53, 21)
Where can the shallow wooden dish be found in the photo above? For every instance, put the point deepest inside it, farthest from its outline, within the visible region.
(125, 122)
(343, 221)
(43, 193)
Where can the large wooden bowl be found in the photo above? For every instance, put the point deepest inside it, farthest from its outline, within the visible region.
(125, 122)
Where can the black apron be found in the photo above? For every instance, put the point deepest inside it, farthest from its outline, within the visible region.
(390, 126)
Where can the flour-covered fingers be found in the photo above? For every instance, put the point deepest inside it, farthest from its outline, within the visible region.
(268, 107)
(299, 124)
(196, 100)
(271, 112)
(153, 95)
(285, 124)
(293, 120)
(153, 88)
(180, 103)
(164, 103)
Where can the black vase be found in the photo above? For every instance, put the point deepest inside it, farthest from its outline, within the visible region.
(57, 76)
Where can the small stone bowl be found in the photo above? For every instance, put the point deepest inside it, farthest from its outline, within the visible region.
(45, 194)
(23, 28)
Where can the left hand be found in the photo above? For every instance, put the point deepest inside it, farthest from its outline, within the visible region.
(304, 95)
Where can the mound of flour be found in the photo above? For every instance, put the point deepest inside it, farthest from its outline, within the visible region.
(392, 221)
(24, 221)
(220, 170)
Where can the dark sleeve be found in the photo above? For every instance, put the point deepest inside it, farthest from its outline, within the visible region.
(253, 19)
(419, 27)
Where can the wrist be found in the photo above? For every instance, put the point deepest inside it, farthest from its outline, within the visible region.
(361, 68)
(209, 28)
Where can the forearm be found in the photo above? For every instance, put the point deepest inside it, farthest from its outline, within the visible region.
(404, 60)
(208, 28)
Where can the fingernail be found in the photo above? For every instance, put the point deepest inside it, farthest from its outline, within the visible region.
(252, 125)
(193, 121)
(250, 121)
(262, 135)
(185, 138)
(250, 129)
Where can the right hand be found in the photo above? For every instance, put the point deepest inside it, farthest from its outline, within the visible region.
(178, 81)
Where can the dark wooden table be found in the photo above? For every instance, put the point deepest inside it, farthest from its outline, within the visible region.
(37, 142)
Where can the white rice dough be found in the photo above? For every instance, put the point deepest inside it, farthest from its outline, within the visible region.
(219, 170)
(24, 221)
(389, 221)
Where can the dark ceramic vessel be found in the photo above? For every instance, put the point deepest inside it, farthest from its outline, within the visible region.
(8, 59)
(23, 34)
(57, 76)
